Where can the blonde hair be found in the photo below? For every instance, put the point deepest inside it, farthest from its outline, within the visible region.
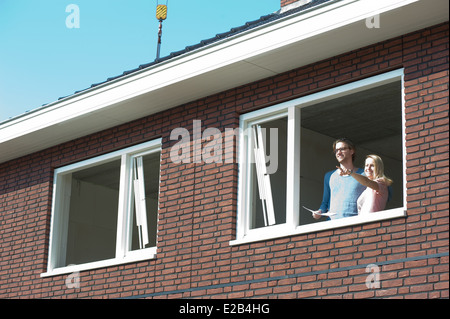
(379, 169)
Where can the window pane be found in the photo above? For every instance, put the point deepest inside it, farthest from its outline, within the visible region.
(150, 169)
(274, 146)
(92, 225)
(371, 119)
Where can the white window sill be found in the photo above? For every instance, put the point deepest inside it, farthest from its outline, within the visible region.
(135, 256)
(279, 231)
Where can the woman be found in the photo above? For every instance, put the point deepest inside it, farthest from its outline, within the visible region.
(375, 196)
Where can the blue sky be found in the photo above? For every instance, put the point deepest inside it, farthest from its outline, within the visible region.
(42, 59)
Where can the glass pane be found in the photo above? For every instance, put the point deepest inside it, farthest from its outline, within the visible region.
(151, 165)
(274, 136)
(93, 208)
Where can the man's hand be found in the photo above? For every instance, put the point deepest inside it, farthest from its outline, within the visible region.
(317, 214)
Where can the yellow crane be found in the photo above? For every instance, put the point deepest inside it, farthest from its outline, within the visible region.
(161, 15)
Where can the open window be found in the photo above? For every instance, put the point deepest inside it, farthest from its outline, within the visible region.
(145, 204)
(372, 119)
(298, 136)
(269, 173)
(91, 204)
(105, 210)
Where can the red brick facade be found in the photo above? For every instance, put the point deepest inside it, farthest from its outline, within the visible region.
(286, 2)
(198, 202)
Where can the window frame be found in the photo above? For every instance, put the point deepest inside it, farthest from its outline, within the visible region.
(292, 109)
(59, 215)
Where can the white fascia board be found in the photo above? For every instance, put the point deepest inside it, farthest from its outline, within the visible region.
(189, 67)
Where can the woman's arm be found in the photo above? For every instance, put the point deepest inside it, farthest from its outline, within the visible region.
(360, 178)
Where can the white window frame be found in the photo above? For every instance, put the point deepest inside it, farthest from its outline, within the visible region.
(291, 109)
(58, 230)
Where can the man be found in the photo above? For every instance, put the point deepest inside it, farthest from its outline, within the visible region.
(340, 193)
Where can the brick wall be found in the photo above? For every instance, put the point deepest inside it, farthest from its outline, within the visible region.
(197, 217)
(286, 2)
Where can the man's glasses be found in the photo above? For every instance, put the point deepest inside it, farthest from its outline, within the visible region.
(340, 149)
